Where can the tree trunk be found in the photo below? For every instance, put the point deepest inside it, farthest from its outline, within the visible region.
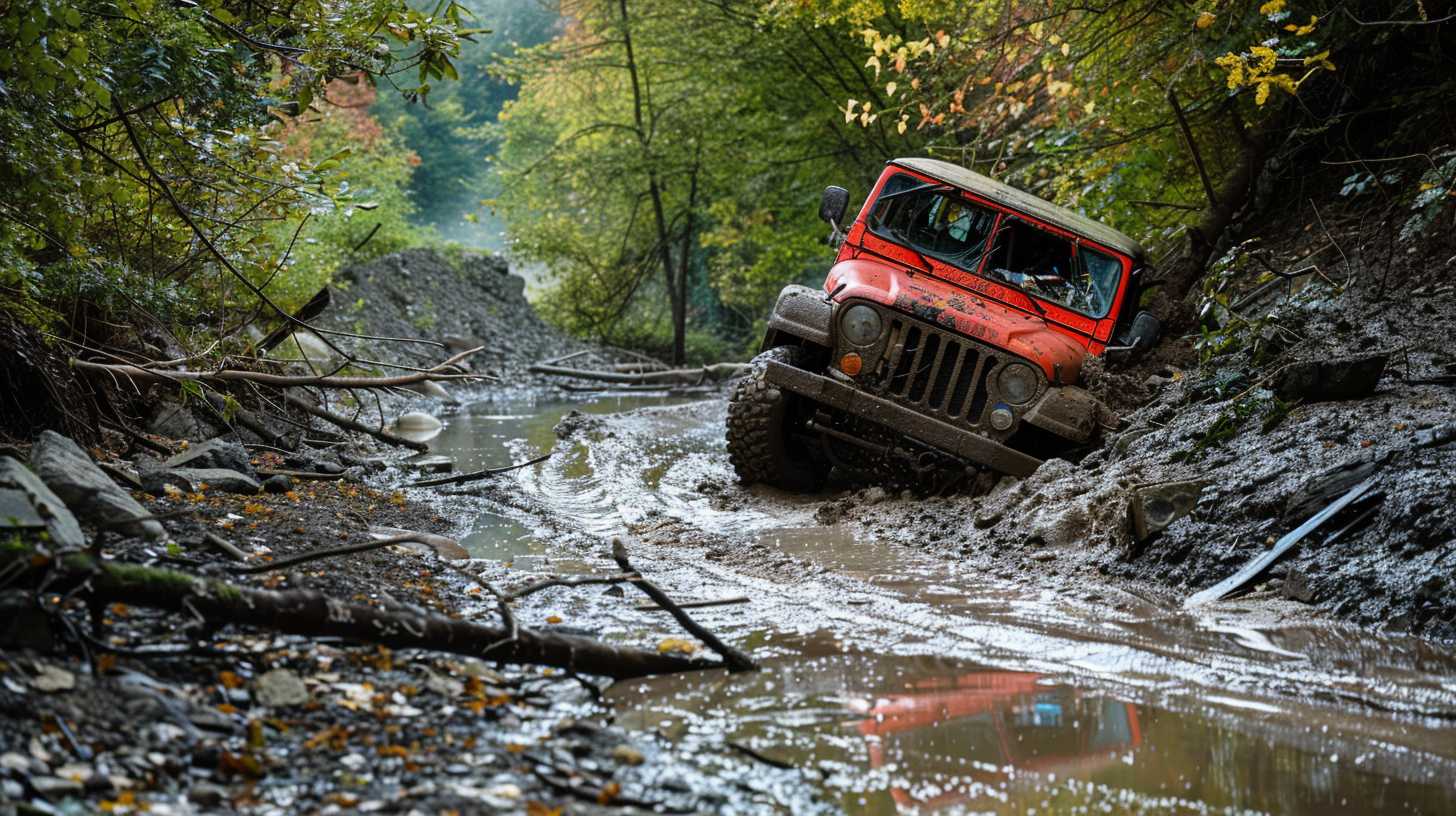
(313, 614)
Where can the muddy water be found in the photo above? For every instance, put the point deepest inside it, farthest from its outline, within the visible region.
(901, 681)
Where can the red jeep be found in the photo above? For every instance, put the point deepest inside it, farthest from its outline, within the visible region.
(948, 340)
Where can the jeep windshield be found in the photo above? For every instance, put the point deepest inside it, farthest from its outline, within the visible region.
(934, 221)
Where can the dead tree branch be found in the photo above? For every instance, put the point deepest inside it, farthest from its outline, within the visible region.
(736, 660)
(353, 425)
(443, 371)
(717, 372)
(476, 475)
(313, 614)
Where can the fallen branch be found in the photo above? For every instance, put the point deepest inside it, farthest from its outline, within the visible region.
(736, 599)
(326, 552)
(736, 660)
(443, 371)
(313, 614)
(353, 425)
(476, 475)
(718, 372)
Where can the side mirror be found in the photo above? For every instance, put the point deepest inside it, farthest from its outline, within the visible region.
(1145, 331)
(832, 205)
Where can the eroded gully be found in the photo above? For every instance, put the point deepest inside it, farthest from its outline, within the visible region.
(900, 679)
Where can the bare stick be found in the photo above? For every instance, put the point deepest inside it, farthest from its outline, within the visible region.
(673, 376)
(224, 546)
(134, 372)
(586, 580)
(736, 660)
(479, 474)
(352, 425)
(327, 552)
(1193, 149)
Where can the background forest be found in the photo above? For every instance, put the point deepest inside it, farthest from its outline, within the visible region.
(654, 165)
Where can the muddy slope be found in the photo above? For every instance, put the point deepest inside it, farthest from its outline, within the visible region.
(466, 299)
(1269, 463)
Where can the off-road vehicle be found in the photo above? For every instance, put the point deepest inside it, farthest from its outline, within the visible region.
(948, 340)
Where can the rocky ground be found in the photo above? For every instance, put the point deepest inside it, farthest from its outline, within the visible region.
(128, 710)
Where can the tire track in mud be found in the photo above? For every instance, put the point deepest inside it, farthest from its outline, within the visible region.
(662, 474)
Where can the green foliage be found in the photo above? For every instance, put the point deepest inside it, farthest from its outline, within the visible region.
(146, 156)
(680, 185)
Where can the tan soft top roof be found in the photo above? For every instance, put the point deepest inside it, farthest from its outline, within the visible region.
(1014, 199)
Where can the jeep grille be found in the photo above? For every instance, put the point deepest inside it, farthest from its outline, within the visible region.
(936, 372)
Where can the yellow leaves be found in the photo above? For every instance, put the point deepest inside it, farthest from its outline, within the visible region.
(1272, 7)
(1302, 30)
(609, 791)
(874, 62)
(1205, 20)
(1322, 59)
(229, 680)
(902, 125)
(890, 88)
(676, 646)
(1089, 107)
(1265, 58)
(553, 619)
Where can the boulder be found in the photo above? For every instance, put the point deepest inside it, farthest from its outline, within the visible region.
(191, 480)
(42, 508)
(86, 489)
(1338, 379)
(176, 421)
(214, 453)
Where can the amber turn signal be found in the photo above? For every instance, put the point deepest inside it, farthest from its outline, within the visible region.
(851, 364)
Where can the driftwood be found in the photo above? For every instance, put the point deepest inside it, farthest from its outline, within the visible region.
(1256, 567)
(443, 371)
(736, 660)
(718, 372)
(353, 425)
(476, 475)
(313, 614)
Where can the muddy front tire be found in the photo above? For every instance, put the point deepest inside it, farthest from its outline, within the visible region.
(762, 419)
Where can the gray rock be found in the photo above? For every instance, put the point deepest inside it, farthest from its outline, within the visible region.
(430, 463)
(45, 506)
(1155, 506)
(86, 489)
(277, 484)
(190, 480)
(1344, 378)
(214, 453)
(278, 688)
(1298, 586)
(176, 422)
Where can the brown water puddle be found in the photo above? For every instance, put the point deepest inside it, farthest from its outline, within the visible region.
(889, 734)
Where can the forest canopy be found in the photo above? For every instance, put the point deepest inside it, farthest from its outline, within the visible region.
(663, 159)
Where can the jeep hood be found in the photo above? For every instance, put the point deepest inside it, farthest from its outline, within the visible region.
(936, 301)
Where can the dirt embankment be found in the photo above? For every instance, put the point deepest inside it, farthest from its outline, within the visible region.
(1250, 461)
(463, 299)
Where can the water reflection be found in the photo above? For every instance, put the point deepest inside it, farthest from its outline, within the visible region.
(895, 735)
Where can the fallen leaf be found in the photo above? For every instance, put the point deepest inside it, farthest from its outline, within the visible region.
(676, 645)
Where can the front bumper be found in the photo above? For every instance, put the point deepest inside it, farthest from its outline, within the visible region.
(959, 442)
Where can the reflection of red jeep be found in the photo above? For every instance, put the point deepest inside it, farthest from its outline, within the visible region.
(949, 337)
(961, 726)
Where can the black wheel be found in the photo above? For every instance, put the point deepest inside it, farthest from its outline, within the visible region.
(761, 422)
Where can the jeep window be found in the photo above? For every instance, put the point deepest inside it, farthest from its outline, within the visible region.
(933, 220)
(1053, 268)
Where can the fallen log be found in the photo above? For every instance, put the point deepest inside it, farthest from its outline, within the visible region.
(717, 372)
(313, 614)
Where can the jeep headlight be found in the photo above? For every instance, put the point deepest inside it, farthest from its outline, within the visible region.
(861, 325)
(1018, 383)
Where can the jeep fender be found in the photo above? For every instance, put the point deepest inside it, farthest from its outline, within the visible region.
(801, 313)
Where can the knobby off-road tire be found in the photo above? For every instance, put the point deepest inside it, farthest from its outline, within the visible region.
(760, 417)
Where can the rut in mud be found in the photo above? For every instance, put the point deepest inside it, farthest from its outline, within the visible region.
(898, 676)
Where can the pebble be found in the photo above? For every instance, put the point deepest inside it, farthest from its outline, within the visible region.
(277, 484)
(279, 687)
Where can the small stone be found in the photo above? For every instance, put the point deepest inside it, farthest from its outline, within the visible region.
(875, 495)
(52, 678)
(329, 467)
(214, 453)
(191, 480)
(627, 755)
(985, 520)
(56, 786)
(279, 688)
(277, 484)
(205, 794)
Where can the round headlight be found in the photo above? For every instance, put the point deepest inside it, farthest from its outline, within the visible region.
(1018, 383)
(860, 325)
